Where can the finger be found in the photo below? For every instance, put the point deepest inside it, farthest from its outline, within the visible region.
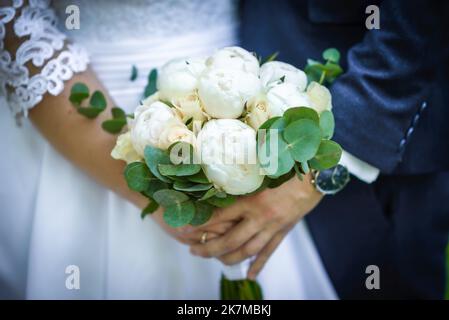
(228, 242)
(231, 213)
(193, 241)
(217, 229)
(264, 255)
(249, 249)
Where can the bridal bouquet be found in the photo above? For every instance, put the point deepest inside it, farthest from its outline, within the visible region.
(215, 129)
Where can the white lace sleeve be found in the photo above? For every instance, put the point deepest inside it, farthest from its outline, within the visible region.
(42, 45)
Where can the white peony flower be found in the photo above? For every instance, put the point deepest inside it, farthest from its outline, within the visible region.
(285, 96)
(234, 58)
(178, 78)
(257, 112)
(227, 149)
(124, 149)
(272, 72)
(150, 99)
(224, 92)
(152, 125)
(319, 96)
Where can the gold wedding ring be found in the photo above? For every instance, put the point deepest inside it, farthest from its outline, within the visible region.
(203, 238)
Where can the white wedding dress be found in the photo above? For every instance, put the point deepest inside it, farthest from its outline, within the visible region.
(53, 216)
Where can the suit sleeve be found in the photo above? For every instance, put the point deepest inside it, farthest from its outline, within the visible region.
(385, 88)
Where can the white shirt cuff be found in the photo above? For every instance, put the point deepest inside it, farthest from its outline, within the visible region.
(362, 170)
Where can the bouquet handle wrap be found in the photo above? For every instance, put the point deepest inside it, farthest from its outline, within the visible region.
(235, 286)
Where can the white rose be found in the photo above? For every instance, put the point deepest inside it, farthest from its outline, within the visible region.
(124, 149)
(175, 131)
(272, 72)
(149, 124)
(227, 148)
(178, 78)
(319, 96)
(190, 107)
(234, 58)
(285, 96)
(224, 92)
(257, 112)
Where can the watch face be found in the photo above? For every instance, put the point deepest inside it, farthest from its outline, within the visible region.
(332, 180)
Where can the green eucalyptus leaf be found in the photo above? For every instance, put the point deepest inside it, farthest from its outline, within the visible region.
(298, 171)
(155, 185)
(275, 161)
(297, 113)
(327, 156)
(137, 176)
(199, 177)
(154, 157)
(89, 112)
(327, 124)
(221, 202)
(271, 57)
(275, 182)
(78, 93)
(134, 73)
(331, 54)
(332, 70)
(203, 212)
(179, 170)
(303, 137)
(168, 197)
(305, 167)
(190, 187)
(149, 209)
(209, 194)
(98, 101)
(118, 113)
(151, 85)
(179, 214)
(113, 125)
(267, 124)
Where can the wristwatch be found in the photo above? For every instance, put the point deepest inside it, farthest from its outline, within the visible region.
(332, 180)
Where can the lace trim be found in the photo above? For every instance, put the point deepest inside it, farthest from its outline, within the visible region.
(37, 22)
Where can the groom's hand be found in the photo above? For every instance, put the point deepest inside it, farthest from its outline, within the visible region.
(262, 221)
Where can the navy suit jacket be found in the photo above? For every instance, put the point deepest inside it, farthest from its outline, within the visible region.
(392, 110)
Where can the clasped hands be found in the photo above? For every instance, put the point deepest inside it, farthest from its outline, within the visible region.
(252, 227)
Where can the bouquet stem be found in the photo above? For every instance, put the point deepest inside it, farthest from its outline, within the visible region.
(240, 289)
(235, 286)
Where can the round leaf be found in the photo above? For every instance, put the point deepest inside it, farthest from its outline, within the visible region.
(149, 209)
(328, 155)
(113, 125)
(180, 214)
(154, 157)
(180, 170)
(89, 112)
(167, 197)
(98, 100)
(203, 212)
(276, 161)
(78, 93)
(331, 54)
(137, 176)
(221, 202)
(190, 187)
(268, 123)
(327, 124)
(297, 113)
(303, 137)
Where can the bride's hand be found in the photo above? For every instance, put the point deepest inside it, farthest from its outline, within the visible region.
(263, 220)
(192, 235)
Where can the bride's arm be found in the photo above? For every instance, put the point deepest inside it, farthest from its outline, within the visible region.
(82, 140)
